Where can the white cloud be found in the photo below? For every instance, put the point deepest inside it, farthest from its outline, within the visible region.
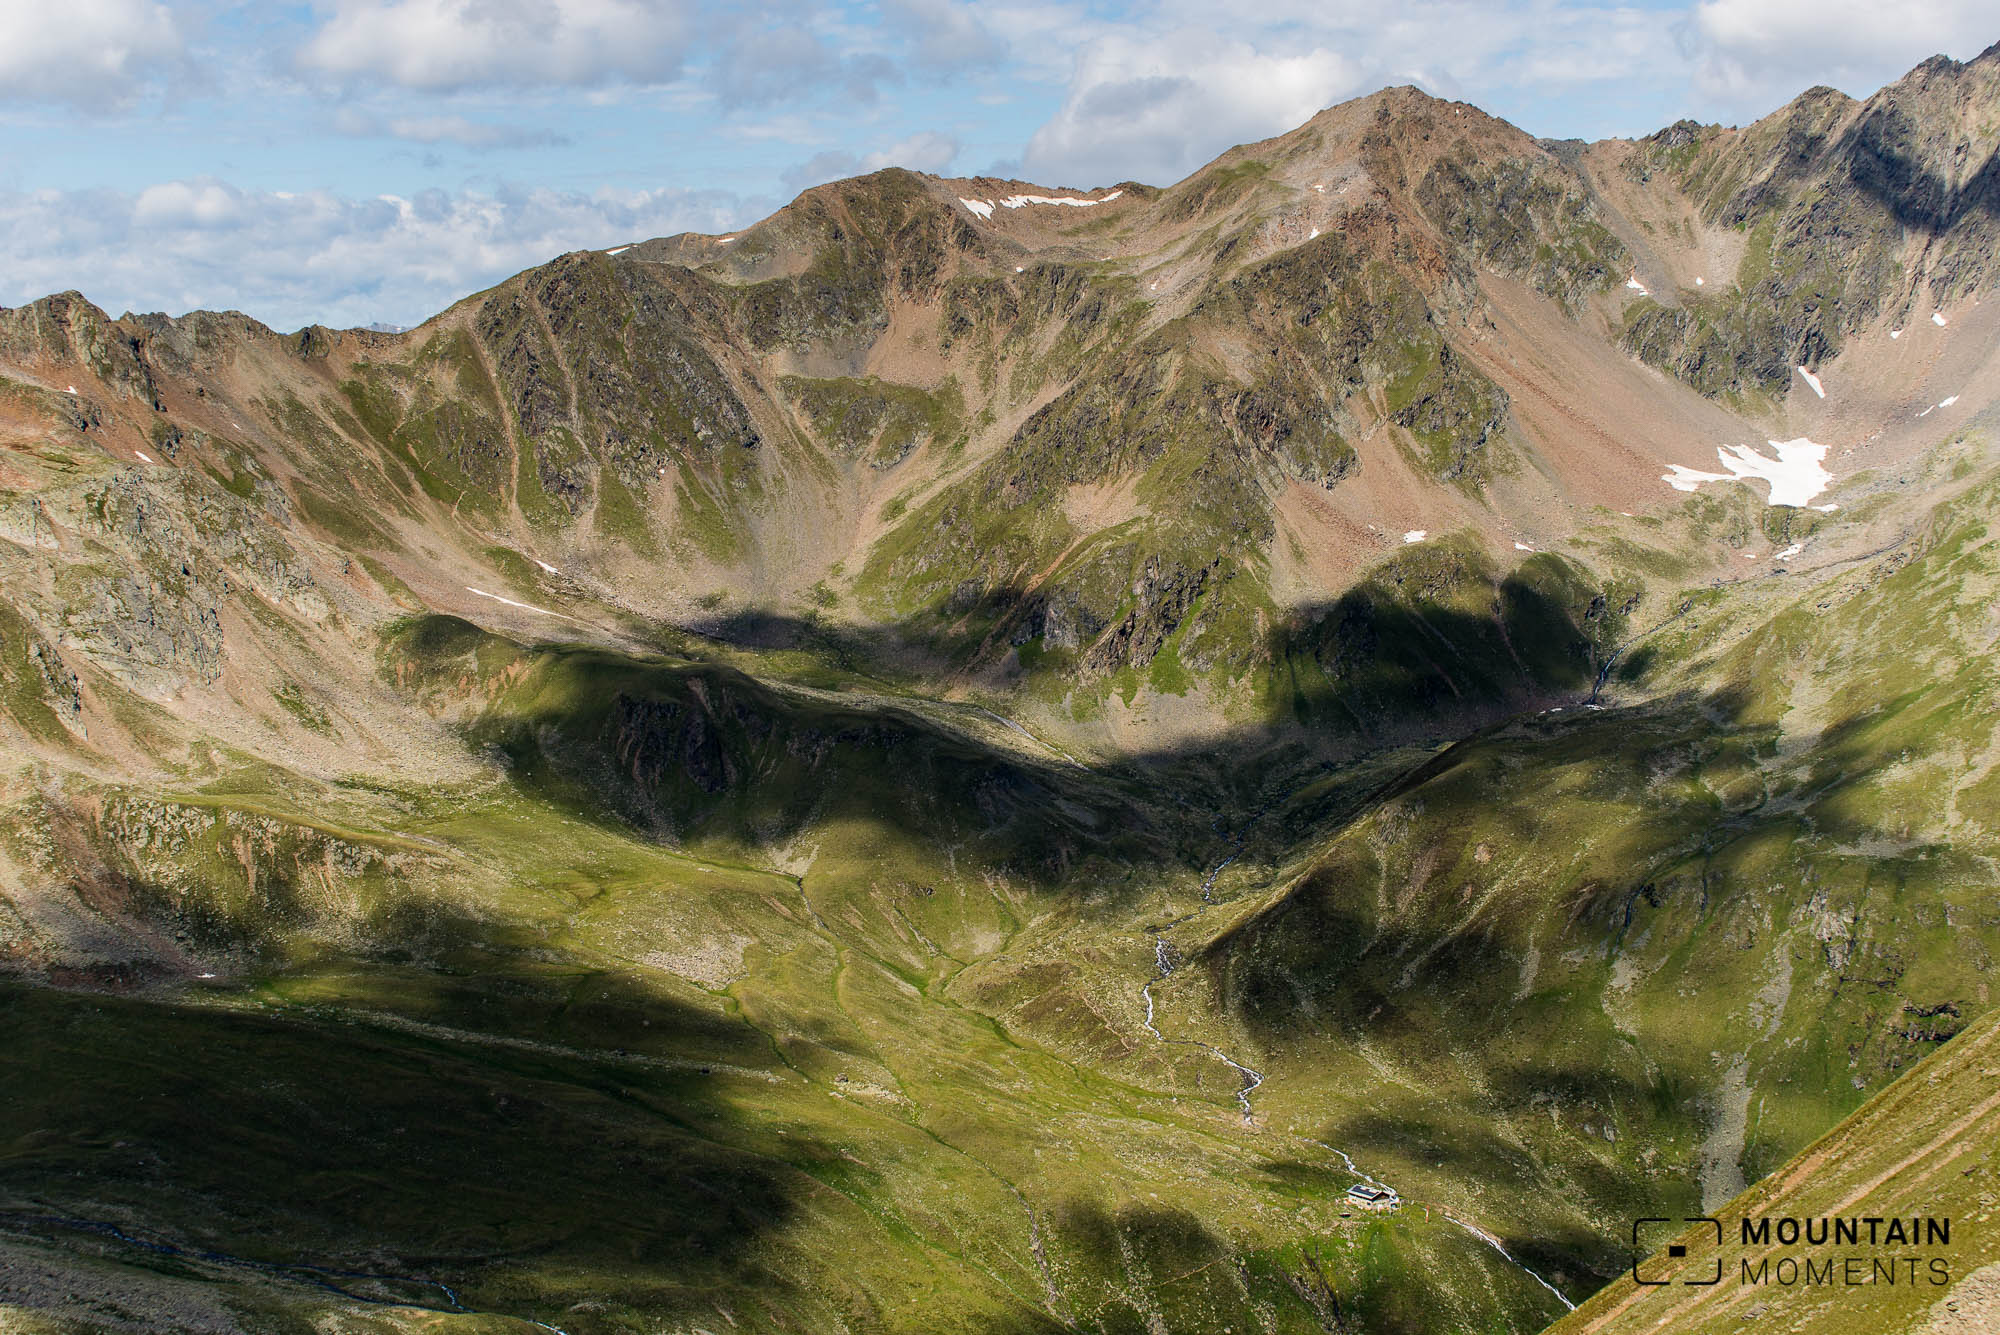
(793, 128)
(442, 45)
(443, 130)
(1155, 109)
(295, 259)
(187, 205)
(926, 152)
(1759, 53)
(948, 35)
(91, 52)
(761, 65)
(929, 151)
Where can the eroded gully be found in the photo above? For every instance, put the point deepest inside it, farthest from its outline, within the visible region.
(1163, 965)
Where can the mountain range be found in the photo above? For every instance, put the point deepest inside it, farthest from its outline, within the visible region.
(972, 756)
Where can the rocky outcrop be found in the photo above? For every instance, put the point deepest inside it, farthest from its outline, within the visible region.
(150, 637)
(61, 687)
(1162, 596)
(1059, 619)
(226, 877)
(872, 420)
(1524, 217)
(1855, 211)
(66, 328)
(657, 741)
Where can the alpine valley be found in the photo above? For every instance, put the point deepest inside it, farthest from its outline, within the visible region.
(971, 757)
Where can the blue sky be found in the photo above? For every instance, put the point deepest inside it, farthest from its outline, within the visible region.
(348, 161)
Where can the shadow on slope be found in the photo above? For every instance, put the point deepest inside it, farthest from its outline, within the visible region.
(1626, 811)
(1885, 161)
(701, 754)
(522, 1173)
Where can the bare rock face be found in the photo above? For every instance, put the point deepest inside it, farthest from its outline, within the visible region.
(66, 328)
(150, 637)
(149, 563)
(658, 740)
(1059, 619)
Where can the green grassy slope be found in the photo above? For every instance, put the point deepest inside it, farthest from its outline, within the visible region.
(575, 1077)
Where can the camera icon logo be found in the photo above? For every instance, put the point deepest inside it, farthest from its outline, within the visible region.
(1679, 1261)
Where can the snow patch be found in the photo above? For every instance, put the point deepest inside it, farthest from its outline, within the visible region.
(1315, 234)
(619, 250)
(724, 240)
(525, 607)
(978, 206)
(1789, 552)
(1812, 380)
(1697, 281)
(1937, 318)
(1946, 403)
(1895, 333)
(1796, 475)
(1637, 286)
(1017, 201)
(70, 390)
(1823, 509)
(1416, 535)
(546, 566)
(143, 456)
(1523, 547)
